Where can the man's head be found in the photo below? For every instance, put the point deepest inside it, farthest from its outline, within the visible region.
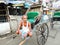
(24, 18)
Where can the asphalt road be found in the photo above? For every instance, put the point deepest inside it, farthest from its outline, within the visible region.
(53, 39)
(54, 36)
(10, 41)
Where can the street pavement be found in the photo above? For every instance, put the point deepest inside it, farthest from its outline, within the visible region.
(54, 36)
(10, 41)
(53, 39)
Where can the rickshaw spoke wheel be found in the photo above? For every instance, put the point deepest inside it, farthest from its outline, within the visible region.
(46, 31)
(42, 34)
(41, 40)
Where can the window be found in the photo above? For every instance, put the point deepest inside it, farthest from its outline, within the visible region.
(17, 11)
(3, 17)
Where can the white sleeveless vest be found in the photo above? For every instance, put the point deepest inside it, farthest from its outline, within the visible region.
(25, 29)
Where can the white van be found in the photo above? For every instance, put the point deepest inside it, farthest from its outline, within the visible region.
(4, 24)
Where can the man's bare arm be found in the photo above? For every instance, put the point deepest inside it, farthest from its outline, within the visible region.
(18, 30)
(19, 26)
(29, 26)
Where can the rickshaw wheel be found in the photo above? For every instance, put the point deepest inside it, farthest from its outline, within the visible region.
(42, 34)
(46, 31)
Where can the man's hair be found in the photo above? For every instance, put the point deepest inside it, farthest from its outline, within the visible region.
(24, 16)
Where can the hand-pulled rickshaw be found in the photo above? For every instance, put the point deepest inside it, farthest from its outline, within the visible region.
(39, 25)
(55, 16)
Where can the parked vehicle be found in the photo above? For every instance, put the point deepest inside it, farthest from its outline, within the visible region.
(55, 17)
(4, 19)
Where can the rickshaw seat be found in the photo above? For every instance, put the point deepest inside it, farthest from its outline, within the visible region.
(32, 16)
(56, 16)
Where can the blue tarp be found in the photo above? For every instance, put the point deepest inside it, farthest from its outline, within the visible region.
(27, 5)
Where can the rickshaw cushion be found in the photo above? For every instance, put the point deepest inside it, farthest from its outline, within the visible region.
(32, 15)
(31, 20)
(56, 14)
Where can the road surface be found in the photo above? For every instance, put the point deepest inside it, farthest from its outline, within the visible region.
(53, 39)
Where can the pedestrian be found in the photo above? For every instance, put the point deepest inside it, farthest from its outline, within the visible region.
(26, 28)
